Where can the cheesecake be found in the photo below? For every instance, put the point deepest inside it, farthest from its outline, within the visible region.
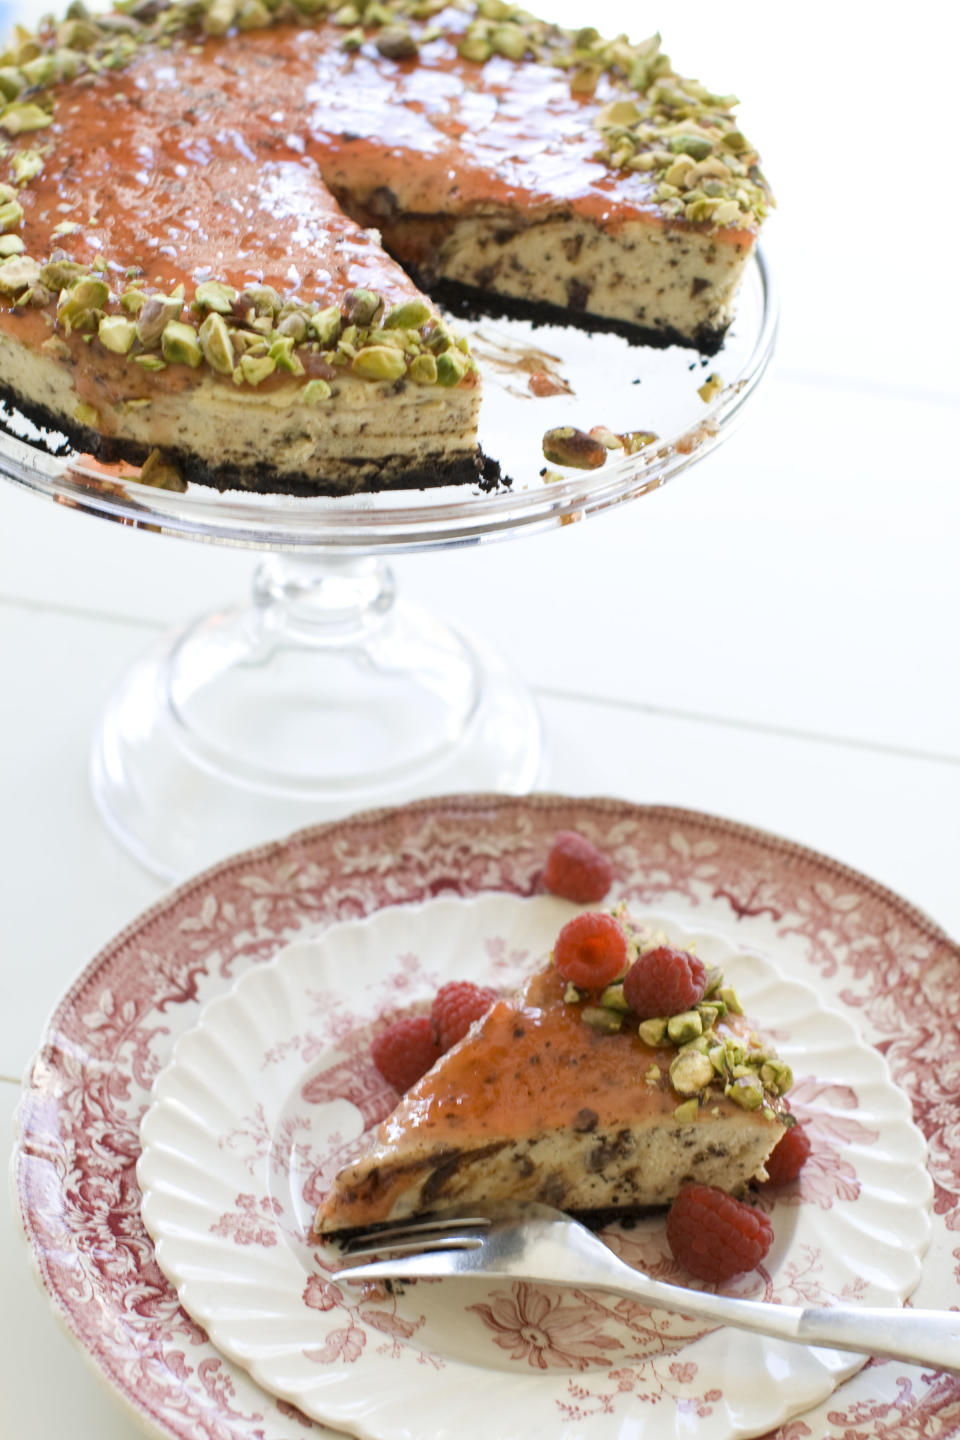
(226, 227)
(551, 1097)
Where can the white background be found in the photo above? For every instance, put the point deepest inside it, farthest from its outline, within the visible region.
(773, 637)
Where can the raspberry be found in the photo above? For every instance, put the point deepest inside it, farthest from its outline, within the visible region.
(664, 982)
(591, 950)
(456, 1006)
(576, 870)
(786, 1159)
(715, 1236)
(405, 1050)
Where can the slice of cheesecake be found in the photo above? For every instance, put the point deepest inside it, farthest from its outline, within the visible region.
(543, 1101)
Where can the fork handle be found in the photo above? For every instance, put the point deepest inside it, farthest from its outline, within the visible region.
(921, 1337)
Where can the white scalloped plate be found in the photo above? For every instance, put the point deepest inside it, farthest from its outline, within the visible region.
(273, 1089)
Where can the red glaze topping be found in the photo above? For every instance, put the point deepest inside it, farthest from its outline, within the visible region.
(212, 160)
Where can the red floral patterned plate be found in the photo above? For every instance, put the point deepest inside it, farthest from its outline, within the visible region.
(274, 1090)
(868, 953)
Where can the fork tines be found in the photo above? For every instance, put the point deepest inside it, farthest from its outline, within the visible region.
(454, 1232)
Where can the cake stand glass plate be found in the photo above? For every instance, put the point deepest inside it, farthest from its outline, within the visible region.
(327, 691)
(274, 1090)
(869, 955)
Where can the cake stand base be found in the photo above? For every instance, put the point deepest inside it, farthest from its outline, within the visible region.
(325, 695)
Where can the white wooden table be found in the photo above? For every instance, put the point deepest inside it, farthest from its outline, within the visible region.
(772, 638)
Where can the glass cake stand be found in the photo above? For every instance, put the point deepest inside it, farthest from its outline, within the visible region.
(326, 691)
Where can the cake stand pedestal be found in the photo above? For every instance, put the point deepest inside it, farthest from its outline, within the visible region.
(326, 692)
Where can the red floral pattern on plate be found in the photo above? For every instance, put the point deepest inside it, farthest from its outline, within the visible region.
(874, 954)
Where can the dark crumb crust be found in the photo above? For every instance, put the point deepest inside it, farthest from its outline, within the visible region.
(468, 302)
(626, 1216)
(474, 468)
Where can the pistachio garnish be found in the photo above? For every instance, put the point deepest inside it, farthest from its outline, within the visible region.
(26, 164)
(408, 315)
(18, 274)
(395, 42)
(314, 391)
(80, 306)
(117, 333)
(687, 1111)
(154, 316)
(214, 295)
(87, 415)
(599, 1018)
(710, 387)
(11, 213)
(452, 365)
(653, 1032)
(23, 117)
(423, 369)
(161, 472)
(179, 344)
(379, 362)
(11, 245)
(254, 369)
(215, 343)
(690, 1072)
(324, 326)
(361, 306)
(566, 445)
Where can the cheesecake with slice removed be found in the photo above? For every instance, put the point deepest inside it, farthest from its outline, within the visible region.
(224, 224)
(553, 1097)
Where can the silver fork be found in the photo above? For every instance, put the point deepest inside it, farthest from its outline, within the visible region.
(536, 1242)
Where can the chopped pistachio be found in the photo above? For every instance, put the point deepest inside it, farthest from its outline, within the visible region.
(746, 1091)
(354, 39)
(361, 306)
(57, 347)
(452, 365)
(687, 1111)
(653, 1032)
(409, 315)
(282, 353)
(219, 16)
(214, 295)
(325, 325)
(215, 343)
(566, 445)
(262, 299)
(395, 42)
(88, 415)
(614, 999)
(572, 995)
(22, 117)
(710, 387)
(294, 325)
(11, 213)
(79, 307)
(254, 369)
(60, 274)
(423, 369)
(179, 344)
(607, 1021)
(132, 301)
(729, 997)
(379, 362)
(12, 81)
(151, 363)
(652, 1074)
(26, 164)
(709, 1015)
(160, 472)
(685, 1026)
(690, 1072)
(154, 316)
(509, 40)
(314, 391)
(18, 274)
(116, 333)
